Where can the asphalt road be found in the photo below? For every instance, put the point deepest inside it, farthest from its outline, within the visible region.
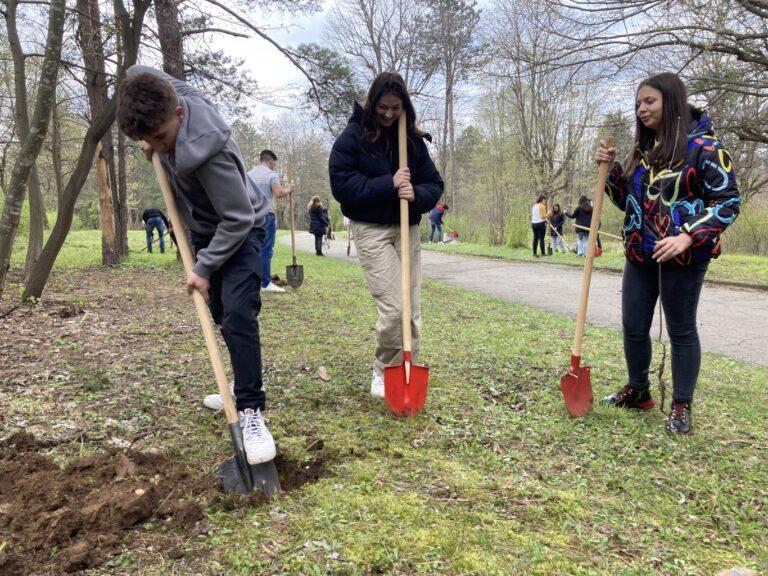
(732, 321)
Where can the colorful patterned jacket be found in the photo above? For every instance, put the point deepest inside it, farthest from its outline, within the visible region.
(698, 196)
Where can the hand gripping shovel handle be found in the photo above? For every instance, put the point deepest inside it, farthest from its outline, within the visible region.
(597, 206)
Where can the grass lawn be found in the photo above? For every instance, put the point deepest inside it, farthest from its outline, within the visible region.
(493, 478)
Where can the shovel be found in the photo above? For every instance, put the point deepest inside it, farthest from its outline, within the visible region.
(237, 475)
(294, 274)
(405, 386)
(576, 384)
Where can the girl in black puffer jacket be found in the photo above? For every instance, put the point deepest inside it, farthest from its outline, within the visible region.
(318, 222)
(368, 183)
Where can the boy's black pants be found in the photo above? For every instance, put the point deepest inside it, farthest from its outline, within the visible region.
(235, 302)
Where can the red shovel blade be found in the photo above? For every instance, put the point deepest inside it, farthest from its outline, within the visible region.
(406, 394)
(577, 389)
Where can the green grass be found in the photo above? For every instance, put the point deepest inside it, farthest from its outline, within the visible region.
(493, 478)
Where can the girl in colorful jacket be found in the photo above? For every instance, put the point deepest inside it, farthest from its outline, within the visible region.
(678, 192)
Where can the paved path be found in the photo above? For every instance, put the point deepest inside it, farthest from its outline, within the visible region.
(741, 332)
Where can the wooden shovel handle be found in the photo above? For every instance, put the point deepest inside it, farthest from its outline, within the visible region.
(597, 206)
(200, 305)
(290, 209)
(405, 249)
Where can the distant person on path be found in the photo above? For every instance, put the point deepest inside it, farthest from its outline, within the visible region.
(556, 219)
(436, 222)
(678, 191)
(318, 222)
(368, 183)
(225, 215)
(154, 219)
(583, 215)
(267, 181)
(539, 225)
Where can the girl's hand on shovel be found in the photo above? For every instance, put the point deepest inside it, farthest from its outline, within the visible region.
(406, 192)
(195, 282)
(604, 152)
(402, 176)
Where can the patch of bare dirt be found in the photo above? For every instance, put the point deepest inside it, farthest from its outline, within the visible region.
(109, 364)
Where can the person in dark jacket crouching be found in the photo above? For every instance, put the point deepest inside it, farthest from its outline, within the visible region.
(367, 182)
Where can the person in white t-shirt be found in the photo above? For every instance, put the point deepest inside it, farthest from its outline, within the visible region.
(267, 181)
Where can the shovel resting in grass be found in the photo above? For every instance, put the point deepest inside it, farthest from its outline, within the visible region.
(405, 386)
(237, 475)
(576, 384)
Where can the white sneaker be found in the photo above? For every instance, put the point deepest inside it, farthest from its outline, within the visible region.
(272, 287)
(259, 444)
(214, 401)
(377, 385)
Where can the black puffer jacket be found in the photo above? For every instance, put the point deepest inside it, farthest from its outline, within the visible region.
(362, 181)
(583, 217)
(318, 220)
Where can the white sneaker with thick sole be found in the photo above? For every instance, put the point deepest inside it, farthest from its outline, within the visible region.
(377, 385)
(259, 444)
(272, 287)
(214, 401)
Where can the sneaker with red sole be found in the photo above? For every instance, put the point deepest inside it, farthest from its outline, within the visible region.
(628, 397)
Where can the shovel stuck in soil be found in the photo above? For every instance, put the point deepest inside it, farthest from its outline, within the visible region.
(237, 475)
(576, 384)
(294, 274)
(405, 386)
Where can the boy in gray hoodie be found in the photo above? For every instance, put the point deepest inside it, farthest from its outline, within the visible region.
(224, 214)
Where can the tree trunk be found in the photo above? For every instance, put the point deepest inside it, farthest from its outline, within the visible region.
(33, 142)
(108, 242)
(169, 32)
(36, 204)
(172, 47)
(120, 185)
(90, 40)
(58, 172)
(37, 221)
(130, 29)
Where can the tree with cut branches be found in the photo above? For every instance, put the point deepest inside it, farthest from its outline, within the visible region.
(32, 141)
(626, 34)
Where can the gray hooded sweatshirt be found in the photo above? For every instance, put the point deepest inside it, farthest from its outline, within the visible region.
(215, 196)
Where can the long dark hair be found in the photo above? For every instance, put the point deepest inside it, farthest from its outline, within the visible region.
(387, 83)
(584, 204)
(672, 134)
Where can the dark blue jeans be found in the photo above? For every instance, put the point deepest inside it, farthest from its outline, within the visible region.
(268, 248)
(435, 226)
(680, 291)
(235, 303)
(151, 225)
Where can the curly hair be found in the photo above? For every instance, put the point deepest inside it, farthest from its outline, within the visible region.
(144, 103)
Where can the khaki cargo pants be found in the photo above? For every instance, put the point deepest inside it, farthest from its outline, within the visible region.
(378, 249)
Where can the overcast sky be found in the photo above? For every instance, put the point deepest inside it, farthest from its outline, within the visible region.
(266, 64)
